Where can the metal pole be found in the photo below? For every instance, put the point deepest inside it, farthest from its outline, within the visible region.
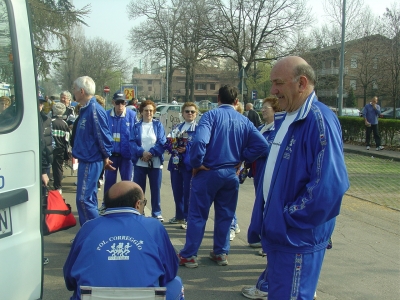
(167, 55)
(341, 70)
(242, 82)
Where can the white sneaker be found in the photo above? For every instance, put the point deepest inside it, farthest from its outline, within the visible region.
(184, 226)
(237, 229)
(232, 235)
(254, 293)
(379, 148)
(367, 147)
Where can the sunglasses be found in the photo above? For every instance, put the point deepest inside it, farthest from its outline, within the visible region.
(190, 111)
(119, 102)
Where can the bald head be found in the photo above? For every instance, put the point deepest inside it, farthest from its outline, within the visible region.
(123, 194)
(297, 66)
(249, 106)
(293, 80)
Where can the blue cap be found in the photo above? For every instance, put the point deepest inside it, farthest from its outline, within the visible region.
(118, 96)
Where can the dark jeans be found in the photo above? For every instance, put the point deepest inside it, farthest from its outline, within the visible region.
(58, 161)
(377, 138)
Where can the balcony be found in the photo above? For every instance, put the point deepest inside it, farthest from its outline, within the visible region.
(329, 93)
(330, 71)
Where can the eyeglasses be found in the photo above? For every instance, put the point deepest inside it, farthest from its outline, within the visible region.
(148, 110)
(190, 111)
(119, 102)
(144, 201)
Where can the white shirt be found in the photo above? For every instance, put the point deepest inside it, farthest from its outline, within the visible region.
(273, 153)
(149, 139)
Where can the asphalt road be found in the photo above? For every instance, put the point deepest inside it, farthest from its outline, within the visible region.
(364, 262)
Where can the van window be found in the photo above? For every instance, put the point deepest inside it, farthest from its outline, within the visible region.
(8, 106)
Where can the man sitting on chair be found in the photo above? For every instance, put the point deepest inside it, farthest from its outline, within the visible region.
(123, 248)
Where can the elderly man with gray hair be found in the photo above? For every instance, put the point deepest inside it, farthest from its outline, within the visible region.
(93, 144)
(69, 114)
(61, 134)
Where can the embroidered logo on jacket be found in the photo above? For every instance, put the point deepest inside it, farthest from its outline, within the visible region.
(82, 124)
(288, 150)
(120, 247)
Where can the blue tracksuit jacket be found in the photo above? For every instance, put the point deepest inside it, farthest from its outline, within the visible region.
(93, 140)
(120, 249)
(121, 127)
(246, 142)
(136, 141)
(308, 182)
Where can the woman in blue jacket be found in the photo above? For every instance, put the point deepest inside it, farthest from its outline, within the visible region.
(147, 141)
(179, 164)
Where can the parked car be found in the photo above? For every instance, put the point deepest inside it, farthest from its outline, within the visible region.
(257, 105)
(350, 112)
(388, 114)
(164, 108)
(204, 104)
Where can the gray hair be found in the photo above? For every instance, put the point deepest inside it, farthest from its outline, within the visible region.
(87, 84)
(66, 94)
(304, 70)
(58, 109)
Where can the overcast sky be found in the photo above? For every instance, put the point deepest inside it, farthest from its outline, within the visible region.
(109, 19)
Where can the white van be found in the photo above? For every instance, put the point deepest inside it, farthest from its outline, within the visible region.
(21, 250)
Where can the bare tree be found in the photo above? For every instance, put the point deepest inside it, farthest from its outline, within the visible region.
(96, 58)
(247, 29)
(334, 11)
(392, 31)
(51, 22)
(157, 34)
(192, 45)
(370, 51)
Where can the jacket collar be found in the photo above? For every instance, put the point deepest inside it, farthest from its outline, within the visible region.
(112, 113)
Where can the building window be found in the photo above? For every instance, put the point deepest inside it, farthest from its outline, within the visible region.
(149, 81)
(150, 88)
(353, 63)
(353, 84)
(374, 85)
(212, 86)
(200, 86)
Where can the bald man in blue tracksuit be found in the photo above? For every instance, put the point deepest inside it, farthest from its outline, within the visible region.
(92, 147)
(120, 122)
(123, 248)
(222, 141)
(305, 178)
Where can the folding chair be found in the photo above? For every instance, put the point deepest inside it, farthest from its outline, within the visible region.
(111, 293)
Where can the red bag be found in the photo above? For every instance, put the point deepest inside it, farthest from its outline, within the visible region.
(58, 214)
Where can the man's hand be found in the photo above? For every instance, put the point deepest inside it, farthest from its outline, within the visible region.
(201, 168)
(108, 165)
(146, 156)
(45, 179)
(237, 167)
(181, 149)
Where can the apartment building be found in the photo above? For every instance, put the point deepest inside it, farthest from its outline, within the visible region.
(207, 83)
(365, 70)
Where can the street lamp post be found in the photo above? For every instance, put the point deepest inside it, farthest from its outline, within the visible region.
(167, 55)
(168, 51)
